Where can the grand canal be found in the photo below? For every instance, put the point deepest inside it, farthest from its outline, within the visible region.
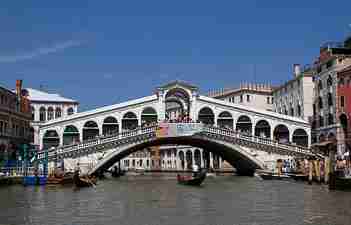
(159, 200)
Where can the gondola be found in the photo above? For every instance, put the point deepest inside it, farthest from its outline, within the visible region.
(273, 176)
(194, 181)
(83, 182)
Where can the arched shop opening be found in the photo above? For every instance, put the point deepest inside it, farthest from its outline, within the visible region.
(263, 129)
(189, 159)
(177, 104)
(110, 126)
(148, 116)
(70, 135)
(206, 116)
(244, 125)
(300, 137)
(225, 120)
(197, 157)
(90, 130)
(281, 134)
(51, 139)
(181, 158)
(129, 121)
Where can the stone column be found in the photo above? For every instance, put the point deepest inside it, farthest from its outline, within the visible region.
(201, 159)
(211, 160)
(219, 162)
(192, 157)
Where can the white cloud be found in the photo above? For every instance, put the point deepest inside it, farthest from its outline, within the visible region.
(39, 52)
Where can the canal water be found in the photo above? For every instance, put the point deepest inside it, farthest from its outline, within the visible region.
(158, 200)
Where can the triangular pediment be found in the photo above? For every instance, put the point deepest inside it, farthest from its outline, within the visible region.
(178, 84)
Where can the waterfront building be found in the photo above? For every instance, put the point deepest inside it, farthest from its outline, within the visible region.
(47, 106)
(15, 118)
(248, 94)
(331, 70)
(294, 97)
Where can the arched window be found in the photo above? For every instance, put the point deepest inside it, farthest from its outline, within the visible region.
(298, 110)
(300, 137)
(281, 133)
(110, 126)
(263, 129)
(225, 119)
(90, 130)
(42, 114)
(244, 125)
(129, 121)
(148, 116)
(70, 111)
(58, 112)
(50, 113)
(206, 116)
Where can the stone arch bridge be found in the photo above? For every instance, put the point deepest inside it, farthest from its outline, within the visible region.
(227, 126)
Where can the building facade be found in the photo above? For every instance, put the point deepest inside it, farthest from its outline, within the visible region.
(46, 107)
(294, 97)
(15, 118)
(248, 94)
(330, 91)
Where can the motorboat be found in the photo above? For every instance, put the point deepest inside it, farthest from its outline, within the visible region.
(191, 180)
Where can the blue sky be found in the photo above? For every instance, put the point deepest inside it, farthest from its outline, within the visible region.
(104, 52)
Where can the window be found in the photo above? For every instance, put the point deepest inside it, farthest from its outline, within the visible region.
(42, 114)
(342, 101)
(321, 121)
(1, 126)
(291, 111)
(241, 98)
(58, 113)
(320, 102)
(70, 111)
(50, 113)
(248, 98)
(267, 100)
(314, 110)
(272, 100)
(299, 110)
(330, 119)
(330, 99)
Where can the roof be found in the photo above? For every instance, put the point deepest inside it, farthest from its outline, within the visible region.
(41, 96)
(177, 83)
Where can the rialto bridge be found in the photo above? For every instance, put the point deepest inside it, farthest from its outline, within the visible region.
(176, 114)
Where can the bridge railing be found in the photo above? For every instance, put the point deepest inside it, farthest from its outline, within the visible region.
(97, 141)
(256, 139)
(152, 129)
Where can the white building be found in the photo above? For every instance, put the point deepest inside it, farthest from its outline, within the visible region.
(294, 97)
(46, 106)
(248, 94)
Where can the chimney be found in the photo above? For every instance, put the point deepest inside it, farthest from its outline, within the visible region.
(297, 70)
(19, 88)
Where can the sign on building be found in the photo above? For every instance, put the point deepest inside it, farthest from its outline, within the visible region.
(178, 129)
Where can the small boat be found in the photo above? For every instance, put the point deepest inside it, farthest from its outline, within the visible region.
(83, 182)
(272, 176)
(194, 181)
(299, 177)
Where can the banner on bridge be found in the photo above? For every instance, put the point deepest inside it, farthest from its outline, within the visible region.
(178, 129)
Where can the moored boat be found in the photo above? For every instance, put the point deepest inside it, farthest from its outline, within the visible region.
(83, 181)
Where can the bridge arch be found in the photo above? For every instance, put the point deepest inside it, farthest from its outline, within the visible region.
(300, 137)
(263, 129)
(110, 125)
(281, 133)
(244, 124)
(239, 158)
(90, 130)
(70, 135)
(148, 115)
(225, 119)
(206, 115)
(51, 139)
(129, 121)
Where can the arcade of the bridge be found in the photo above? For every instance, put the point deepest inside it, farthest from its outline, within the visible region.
(71, 134)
